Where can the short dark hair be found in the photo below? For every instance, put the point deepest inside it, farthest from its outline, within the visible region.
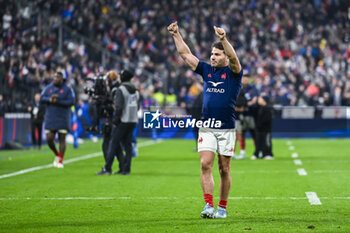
(126, 75)
(59, 73)
(218, 45)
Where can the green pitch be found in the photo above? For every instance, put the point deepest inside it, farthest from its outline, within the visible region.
(163, 193)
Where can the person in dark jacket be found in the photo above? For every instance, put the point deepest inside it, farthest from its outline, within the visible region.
(125, 117)
(263, 124)
(37, 112)
(241, 106)
(58, 98)
(196, 111)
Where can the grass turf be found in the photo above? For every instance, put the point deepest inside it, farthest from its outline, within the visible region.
(163, 193)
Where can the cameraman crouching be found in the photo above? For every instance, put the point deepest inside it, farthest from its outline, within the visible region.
(126, 103)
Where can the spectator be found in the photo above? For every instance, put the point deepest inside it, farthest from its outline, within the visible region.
(288, 47)
(263, 122)
(37, 112)
(3, 106)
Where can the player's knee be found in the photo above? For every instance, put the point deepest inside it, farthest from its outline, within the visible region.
(224, 170)
(206, 165)
(50, 138)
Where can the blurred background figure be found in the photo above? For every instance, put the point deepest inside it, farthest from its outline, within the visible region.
(58, 98)
(263, 122)
(37, 112)
(245, 120)
(195, 110)
(126, 105)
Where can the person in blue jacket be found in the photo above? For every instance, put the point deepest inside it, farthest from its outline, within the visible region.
(59, 98)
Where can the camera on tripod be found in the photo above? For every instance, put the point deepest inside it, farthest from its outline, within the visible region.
(99, 88)
(101, 106)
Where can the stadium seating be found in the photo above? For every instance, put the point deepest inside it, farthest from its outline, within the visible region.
(296, 51)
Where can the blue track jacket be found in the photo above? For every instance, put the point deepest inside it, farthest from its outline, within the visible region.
(57, 115)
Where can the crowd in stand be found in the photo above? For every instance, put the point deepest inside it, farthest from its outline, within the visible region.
(298, 52)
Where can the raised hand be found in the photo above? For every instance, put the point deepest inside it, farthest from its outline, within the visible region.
(220, 32)
(173, 28)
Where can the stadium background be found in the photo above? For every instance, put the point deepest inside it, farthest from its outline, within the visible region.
(297, 52)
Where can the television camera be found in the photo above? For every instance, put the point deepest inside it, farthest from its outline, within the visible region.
(102, 103)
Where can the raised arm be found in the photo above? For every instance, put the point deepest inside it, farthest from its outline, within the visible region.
(234, 63)
(184, 51)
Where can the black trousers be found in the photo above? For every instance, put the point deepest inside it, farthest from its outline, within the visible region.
(39, 126)
(263, 143)
(105, 144)
(121, 135)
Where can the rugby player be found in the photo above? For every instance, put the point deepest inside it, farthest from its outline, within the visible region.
(222, 84)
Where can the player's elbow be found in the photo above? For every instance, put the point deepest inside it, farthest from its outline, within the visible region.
(184, 54)
(236, 68)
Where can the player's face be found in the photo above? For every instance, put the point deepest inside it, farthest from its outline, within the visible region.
(57, 80)
(37, 97)
(218, 58)
(245, 81)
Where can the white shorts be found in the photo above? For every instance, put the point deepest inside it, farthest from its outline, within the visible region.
(217, 140)
(246, 123)
(64, 131)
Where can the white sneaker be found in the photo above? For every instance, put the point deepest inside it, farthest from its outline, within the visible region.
(57, 163)
(220, 213)
(268, 157)
(253, 157)
(60, 165)
(208, 211)
(242, 155)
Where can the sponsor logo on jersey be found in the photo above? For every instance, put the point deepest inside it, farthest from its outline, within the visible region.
(214, 89)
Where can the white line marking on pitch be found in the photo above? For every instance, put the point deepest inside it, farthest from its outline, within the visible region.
(291, 148)
(313, 198)
(295, 155)
(146, 198)
(301, 172)
(84, 157)
(329, 171)
(297, 162)
(289, 143)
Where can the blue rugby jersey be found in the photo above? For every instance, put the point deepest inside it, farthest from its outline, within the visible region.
(220, 92)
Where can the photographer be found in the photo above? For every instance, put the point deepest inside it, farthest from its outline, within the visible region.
(113, 81)
(126, 103)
